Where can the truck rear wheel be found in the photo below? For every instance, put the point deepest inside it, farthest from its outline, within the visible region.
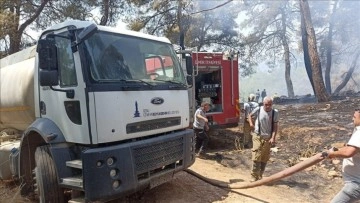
(46, 177)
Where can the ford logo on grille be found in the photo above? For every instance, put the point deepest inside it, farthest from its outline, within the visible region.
(157, 100)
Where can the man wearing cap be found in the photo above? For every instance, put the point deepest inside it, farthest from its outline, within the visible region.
(248, 108)
(351, 164)
(200, 126)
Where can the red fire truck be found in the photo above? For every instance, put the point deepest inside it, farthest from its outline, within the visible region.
(217, 82)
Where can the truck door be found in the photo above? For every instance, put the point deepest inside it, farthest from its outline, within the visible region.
(65, 103)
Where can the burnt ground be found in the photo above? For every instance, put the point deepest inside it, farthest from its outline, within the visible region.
(305, 129)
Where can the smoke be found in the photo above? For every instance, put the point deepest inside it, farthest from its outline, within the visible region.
(274, 82)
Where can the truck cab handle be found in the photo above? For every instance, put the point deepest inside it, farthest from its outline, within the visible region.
(69, 93)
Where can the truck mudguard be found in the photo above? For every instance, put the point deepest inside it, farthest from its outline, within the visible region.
(48, 130)
(41, 132)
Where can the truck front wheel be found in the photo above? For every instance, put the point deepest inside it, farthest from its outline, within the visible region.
(46, 177)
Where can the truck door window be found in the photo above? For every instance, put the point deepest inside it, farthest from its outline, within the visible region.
(66, 62)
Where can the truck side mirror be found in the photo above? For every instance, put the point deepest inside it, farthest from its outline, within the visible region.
(48, 66)
(47, 52)
(189, 65)
(48, 77)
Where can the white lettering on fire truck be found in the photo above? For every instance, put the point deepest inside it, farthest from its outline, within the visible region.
(201, 62)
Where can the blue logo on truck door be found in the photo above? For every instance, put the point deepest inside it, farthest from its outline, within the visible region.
(137, 113)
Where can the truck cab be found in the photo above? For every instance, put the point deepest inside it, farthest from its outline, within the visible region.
(111, 114)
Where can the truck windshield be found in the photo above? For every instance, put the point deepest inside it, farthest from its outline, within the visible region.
(121, 58)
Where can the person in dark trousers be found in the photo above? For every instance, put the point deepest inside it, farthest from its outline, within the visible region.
(263, 136)
(200, 127)
(350, 154)
(257, 96)
(263, 94)
(248, 108)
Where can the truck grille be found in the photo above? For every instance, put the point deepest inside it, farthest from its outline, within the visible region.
(157, 155)
(152, 124)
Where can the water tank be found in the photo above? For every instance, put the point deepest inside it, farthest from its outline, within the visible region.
(17, 108)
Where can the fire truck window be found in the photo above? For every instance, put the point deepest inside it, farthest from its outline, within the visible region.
(208, 88)
(159, 67)
(154, 67)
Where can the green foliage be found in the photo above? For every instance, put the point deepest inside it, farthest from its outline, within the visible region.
(208, 25)
(263, 30)
(19, 16)
(203, 26)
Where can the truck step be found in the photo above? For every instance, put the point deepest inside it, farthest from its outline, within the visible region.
(77, 163)
(75, 181)
(77, 200)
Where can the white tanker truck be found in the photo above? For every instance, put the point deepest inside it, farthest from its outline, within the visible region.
(102, 112)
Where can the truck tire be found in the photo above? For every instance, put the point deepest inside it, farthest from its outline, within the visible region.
(46, 177)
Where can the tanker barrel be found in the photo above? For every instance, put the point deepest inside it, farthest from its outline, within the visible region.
(17, 106)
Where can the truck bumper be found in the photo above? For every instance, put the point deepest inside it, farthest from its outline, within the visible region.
(116, 171)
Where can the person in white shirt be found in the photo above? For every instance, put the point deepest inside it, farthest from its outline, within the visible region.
(351, 164)
(200, 127)
(263, 137)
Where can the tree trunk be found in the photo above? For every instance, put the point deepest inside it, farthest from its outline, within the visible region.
(329, 51)
(105, 17)
(306, 53)
(18, 30)
(348, 74)
(15, 41)
(14, 35)
(328, 60)
(319, 86)
(285, 44)
(180, 24)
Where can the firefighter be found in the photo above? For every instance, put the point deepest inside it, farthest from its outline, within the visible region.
(350, 166)
(257, 95)
(200, 127)
(263, 137)
(248, 108)
(263, 94)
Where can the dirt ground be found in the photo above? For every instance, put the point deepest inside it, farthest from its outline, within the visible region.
(305, 129)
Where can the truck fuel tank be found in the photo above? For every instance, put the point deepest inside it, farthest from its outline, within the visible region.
(6, 150)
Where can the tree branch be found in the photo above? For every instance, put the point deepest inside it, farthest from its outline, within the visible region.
(218, 6)
(23, 26)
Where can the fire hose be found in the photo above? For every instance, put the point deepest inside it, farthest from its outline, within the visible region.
(266, 180)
